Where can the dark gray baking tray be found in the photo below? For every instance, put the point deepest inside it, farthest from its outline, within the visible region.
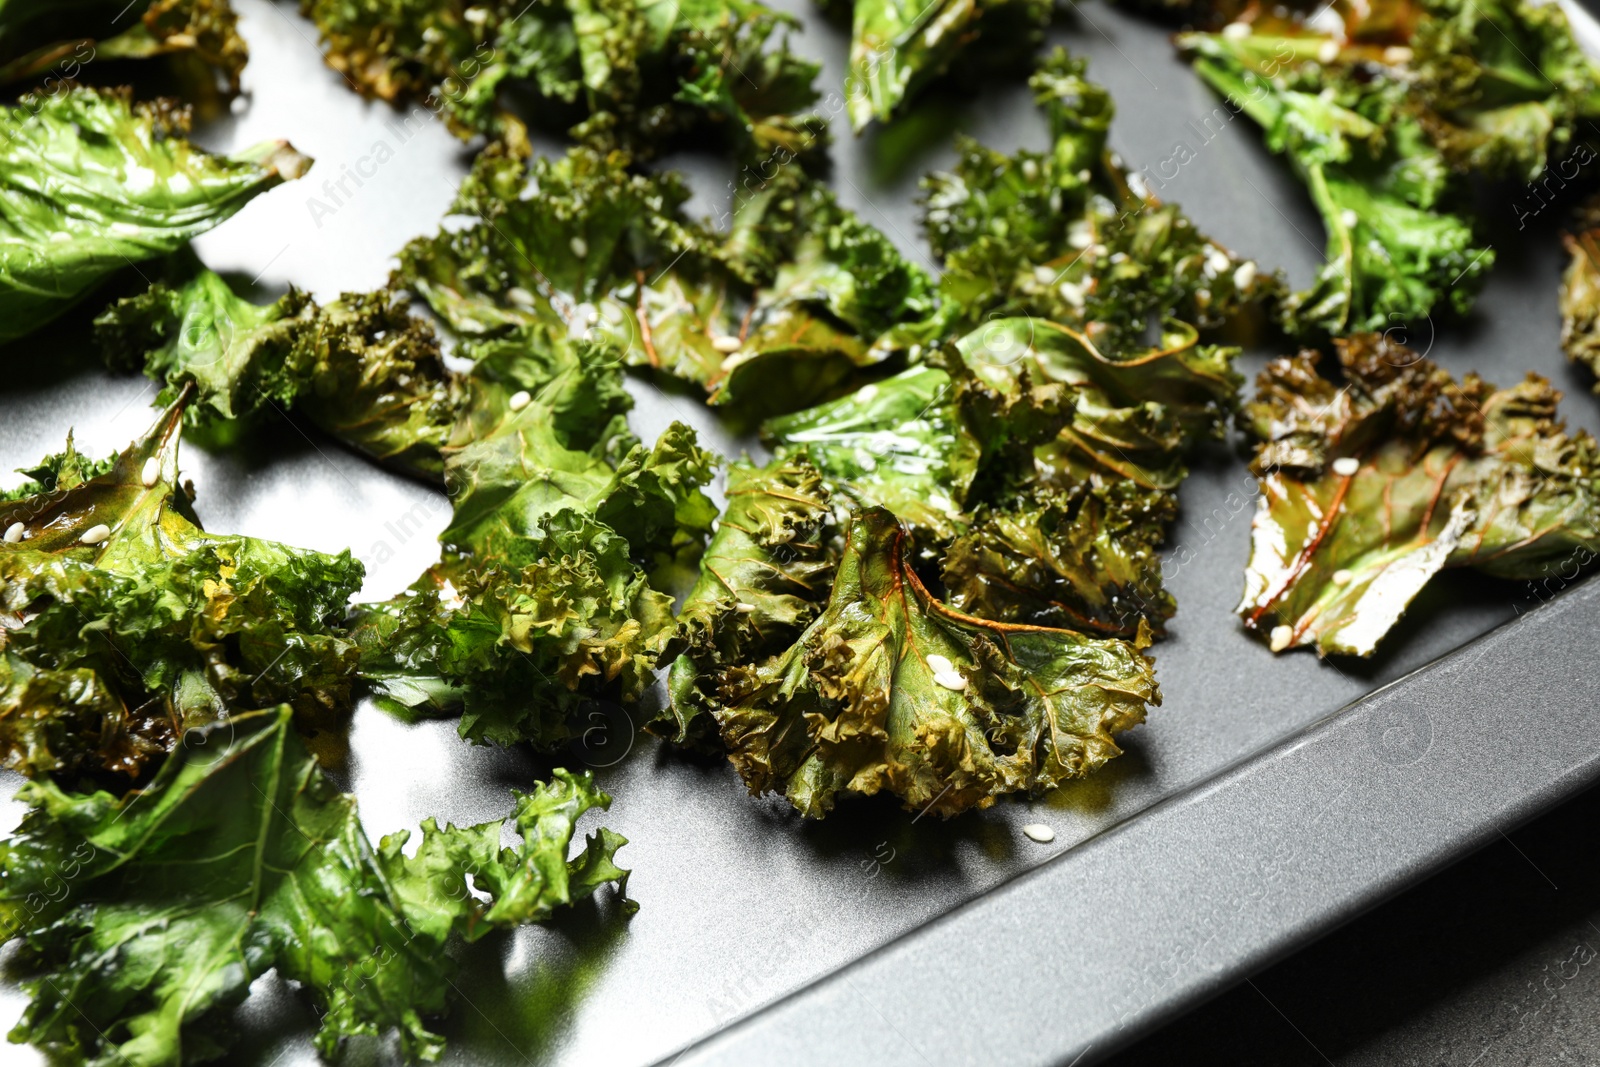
(1249, 814)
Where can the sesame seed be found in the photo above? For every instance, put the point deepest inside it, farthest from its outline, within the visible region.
(95, 534)
(150, 472)
(1281, 638)
(1328, 52)
(950, 680)
(580, 247)
(1345, 466)
(1038, 831)
(14, 533)
(1342, 577)
(1245, 275)
(1396, 54)
(744, 607)
(1235, 31)
(940, 664)
(519, 400)
(726, 344)
(1349, 218)
(867, 394)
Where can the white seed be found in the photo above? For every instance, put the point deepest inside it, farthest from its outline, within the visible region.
(1245, 276)
(1235, 31)
(1045, 275)
(1396, 54)
(940, 665)
(1328, 52)
(580, 247)
(95, 534)
(1342, 577)
(744, 608)
(476, 15)
(150, 472)
(520, 296)
(14, 533)
(867, 394)
(1030, 170)
(1072, 294)
(1345, 466)
(1281, 636)
(726, 344)
(950, 680)
(1349, 218)
(1038, 831)
(519, 400)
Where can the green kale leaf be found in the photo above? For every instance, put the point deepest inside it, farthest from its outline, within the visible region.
(642, 74)
(1070, 236)
(362, 368)
(889, 690)
(897, 47)
(542, 598)
(1382, 119)
(143, 918)
(763, 578)
(1580, 291)
(1371, 488)
(200, 36)
(90, 182)
(130, 625)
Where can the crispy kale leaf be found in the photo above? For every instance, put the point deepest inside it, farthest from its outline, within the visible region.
(889, 690)
(129, 625)
(1370, 489)
(763, 578)
(542, 597)
(1039, 468)
(41, 36)
(1580, 290)
(1397, 243)
(1501, 86)
(643, 73)
(1381, 120)
(898, 46)
(90, 183)
(143, 918)
(547, 241)
(774, 315)
(1084, 558)
(362, 368)
(1070, 236)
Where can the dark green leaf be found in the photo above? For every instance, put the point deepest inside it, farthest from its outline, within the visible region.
(90, 182)
(144, 918)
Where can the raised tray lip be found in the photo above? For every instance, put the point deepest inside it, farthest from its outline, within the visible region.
(1037, 972)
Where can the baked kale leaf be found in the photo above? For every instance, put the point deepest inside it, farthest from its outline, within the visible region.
(897, 47)
(1383, 117)
(1071, 236)
(362, 368)
(1371, 487)
(888, 690)
(542, 599)
(71, 211)
(143, 917)
(1580, 290)
(763, 578)
(640, 74)
(775, 314)
(129, 625)
(201, 37)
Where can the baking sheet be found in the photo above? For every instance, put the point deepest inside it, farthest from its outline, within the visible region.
(742, 903)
